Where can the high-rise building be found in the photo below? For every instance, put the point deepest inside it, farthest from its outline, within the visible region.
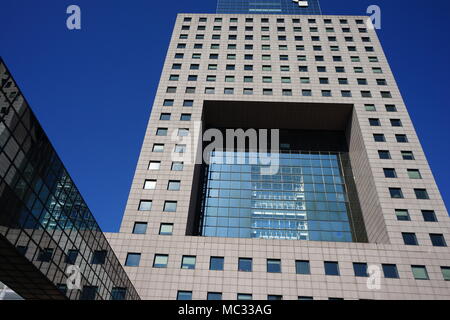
(51, 247)
(269, 6)
(353, 210)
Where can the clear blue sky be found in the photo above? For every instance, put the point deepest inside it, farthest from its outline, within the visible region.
(93, 89)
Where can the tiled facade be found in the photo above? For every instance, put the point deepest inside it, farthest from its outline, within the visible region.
(294, 42)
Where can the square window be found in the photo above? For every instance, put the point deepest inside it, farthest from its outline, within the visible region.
(390, 271)
(140, 228)
(173, 185)
(228, 91)
(164, 116)
(331, 268)
(188, 262)
(166, 229)
(168, 103)
(72, 256)
(391, 108)
(402, 215)
(216, 263)
(302, 267)
(437, 240)
(160, 261)
(154, 165)
(161, 131)
(118, 293)
(324, 81)
(346, 93)
(183, 132)
(429, 216)
(306, 93)
(89, 293)
(360, 269)
(145, 205)
(150, 184)
(420, 272)
(396, 122)
(374, 122)
(188, 103)
(170, 206)
(274, 265)
(133, 260)
(245, 264)
(409, 239)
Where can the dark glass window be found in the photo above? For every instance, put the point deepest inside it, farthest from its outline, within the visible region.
(384, 154)
(331, 268)
(396, 193)
(402, 215)
(421, 194)
(438, 240)
(407, 155)
(88, 293)
(45, 255)
(302, 267)
(99, 257)
(429, 216)
(188, 262)
(390, 271)
(410, 239)
(374, 122)
(273, 265)
(72, 256)
(245, 264)
(118, 293)
(216, 263)
(389, 173)
(274, 297)
(360, 269)
(379, 137)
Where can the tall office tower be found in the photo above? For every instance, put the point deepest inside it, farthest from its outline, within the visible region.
(352, 193)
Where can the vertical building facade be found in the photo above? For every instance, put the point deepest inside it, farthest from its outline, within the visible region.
(353, 198)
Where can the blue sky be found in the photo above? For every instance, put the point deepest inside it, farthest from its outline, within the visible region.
(93, 89)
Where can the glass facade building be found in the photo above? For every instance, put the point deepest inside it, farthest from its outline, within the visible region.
(310, 7)
(305, 200)
(45, 225)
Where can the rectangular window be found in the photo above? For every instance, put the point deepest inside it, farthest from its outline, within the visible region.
(45, 255)
(133, 259)
(166, 229)
(177, 166)
(214, 296)
(420, 272)
(274, 265)
(401, 138)
(140, 228)
(414, 174)
(170, 206)
(302, 267)
(421, 194)
(71, 257)
(409, 239)
(274, 297)
(379, 137)
(184, 295)
(437, 240)
(390, 271)
(402, 215)
(185, 117)
(360, 269)
(164, 116)
(118, 293)
(331, 268)
(160, 261)
(154, 165)
(145, 205)
(168, 103)
(89, 293)
(396, 193)
(407, 155)
(216, 263)
(384, 154)
(389, 173)
(446, 273)
(245, 264)
(429, 216)
(188, 262)
(174, 185)
(244, 296)
(150, 184)
(161, 132)
(370, 107)
(99, 257)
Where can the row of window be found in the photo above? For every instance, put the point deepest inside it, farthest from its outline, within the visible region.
(266, 37)
(266, 57)
(277, 20)
(397, 193)
(283, 68)
(284, 92)
(331, 268)
(187, 295)
(437, 239)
